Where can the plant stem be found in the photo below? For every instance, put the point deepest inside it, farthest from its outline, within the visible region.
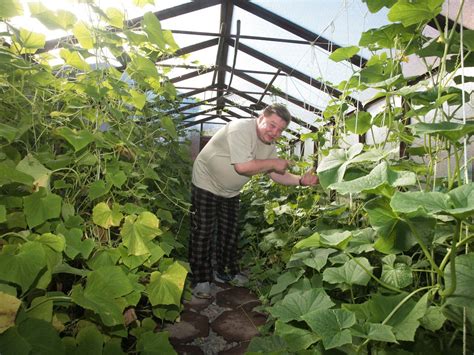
(452, 256)
(423, 247)
(54, 298)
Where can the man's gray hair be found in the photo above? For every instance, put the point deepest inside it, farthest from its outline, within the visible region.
(279, 110)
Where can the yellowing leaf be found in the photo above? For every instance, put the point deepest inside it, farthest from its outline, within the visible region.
(8, 307)
(115, 17)
(74, 59)
(83, 35)
(103, 216)
(10, 8)
(31, 39)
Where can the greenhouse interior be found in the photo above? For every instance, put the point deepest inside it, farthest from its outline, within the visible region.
(130, 223)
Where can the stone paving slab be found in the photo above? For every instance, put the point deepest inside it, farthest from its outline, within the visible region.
(222, 325)
(238, 325)
(191, 326)
(234, 297)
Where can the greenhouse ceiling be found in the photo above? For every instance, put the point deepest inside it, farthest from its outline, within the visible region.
(237, 56)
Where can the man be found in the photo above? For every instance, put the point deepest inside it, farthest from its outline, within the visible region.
(241, 149)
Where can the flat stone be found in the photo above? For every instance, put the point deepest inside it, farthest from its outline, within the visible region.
(188, 350)
(238, 325)
(236, 350)
(191, 326)
(197, 304)
(234, 297)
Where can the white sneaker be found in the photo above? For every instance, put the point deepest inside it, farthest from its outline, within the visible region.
(236, 280)
(202, 290)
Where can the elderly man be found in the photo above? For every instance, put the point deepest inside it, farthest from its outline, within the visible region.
(239, 150)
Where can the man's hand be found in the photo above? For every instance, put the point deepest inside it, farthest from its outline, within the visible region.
(280, 166)
(309, 178)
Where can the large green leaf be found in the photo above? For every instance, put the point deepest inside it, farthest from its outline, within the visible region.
(10, 8)
(313, 241)
(40, 206)
(332, 326)
(31, 166)
(351, 273)
(271, 345)
(362, 241)
(98, 188)
(166, 288)
(396, 274)
(89, 341)
(75, 245)
(31, 41)
(451, 130)
(8, 132)
(395, 234)
(463, 296)
(298, 303)
(405, 321)
(375, 5)
(152, 27)
(314, 258)
(387, 36)
(9, 174)
(168, 124)
(374, 331)
(359, 123)
(410, 12)
(115, 17)
(433, 319)
(284, 280)
(78, 139)
(376, 181)
(108, 281)
(331, 169)
(104, 293)
(103, 216)
(8, 310)
(458, 202)
(462, 201)
(41, 308)
(53, 20)
(84, 35)
(296, 338)
(41, 337)
(74, 59)
(105, 257)
(344, 53)
(335, 239)
(137, 231)
(152, 343)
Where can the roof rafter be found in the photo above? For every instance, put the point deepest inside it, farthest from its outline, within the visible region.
(282, 94)
(191, 105)
(294, 28)
(227, 10)
(292, 71)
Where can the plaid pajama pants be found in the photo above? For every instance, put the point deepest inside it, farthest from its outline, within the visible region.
(211, 213)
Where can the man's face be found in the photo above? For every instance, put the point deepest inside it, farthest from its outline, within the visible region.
(270, 128)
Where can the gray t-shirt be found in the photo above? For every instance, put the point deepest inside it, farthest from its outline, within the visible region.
(236, 142)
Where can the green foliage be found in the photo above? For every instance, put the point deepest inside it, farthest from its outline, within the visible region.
(379, 261)
(93, 180)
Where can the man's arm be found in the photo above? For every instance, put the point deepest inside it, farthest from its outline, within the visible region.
(308, 179)
(258, 166)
